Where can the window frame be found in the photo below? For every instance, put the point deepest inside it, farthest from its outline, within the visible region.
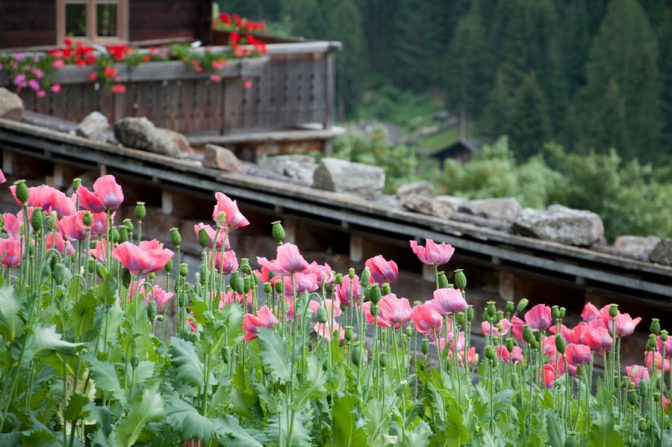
(91, 21)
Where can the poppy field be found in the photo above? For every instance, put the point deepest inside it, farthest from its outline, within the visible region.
(106, 341)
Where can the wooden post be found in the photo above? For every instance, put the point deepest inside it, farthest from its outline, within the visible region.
(291, 226)
(356, 248)
(428, 273)
(166, 202)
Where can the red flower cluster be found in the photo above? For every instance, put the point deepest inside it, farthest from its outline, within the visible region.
(241, 23)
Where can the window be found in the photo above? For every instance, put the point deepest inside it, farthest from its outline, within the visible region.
(104, 21)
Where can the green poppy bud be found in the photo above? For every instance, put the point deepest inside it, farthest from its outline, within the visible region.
(460, 279)
(351, 273)
(268, 288)
(409, 331)
(425, 346)
(226, 355)
(203, 238)
(632, 397)
(460, 318)
(528, 336)
(443, 280)
(76, 183)
(339, 278)
(175, 237)
(247, 284)
(386, 289)
(470, 313)
(245, 266)
(278, 232)
(644, 388)
(125, 277)
(613, 310)
(563, 312)
(37, 220)
(321, 314)
(499, 315)
(373, 293)
(515, 380)
(555, 313)
(134, 362)
(365, 277)
(239, 285)
(510, 307)
(642, 425)
(123, 234)
(91, 266)
(169, 266)
(349, 333)
(221, 220)
(375, 310)
(184, 270)
(491, 310)
(509, 344)
(572, 440)
(140, 211)
(490, 353)
(59, 273)
(522, 304)
(87, 218)
(51, 221)
(115, 235)
(128, 223)
(382, 360)
(356, 355)
(22, 192)
(655, 326)
(151, 310)
(664, 335)
(279, 287)
(560, 344)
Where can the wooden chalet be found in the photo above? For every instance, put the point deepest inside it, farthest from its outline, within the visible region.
(463, 150)
(287, 106)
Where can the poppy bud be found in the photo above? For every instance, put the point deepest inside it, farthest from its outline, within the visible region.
(169, 266)
(509, 344)
(401, 388)
(470, 313)
(175, 237)
(613, 310)
(184, 270)
(365, 277)
(53, 260)
(443, 280)
(460, 279)
(491, 310)
(128, 223)
(140, 211)
(123, 234)
(555, 313)
(656, 396)
(460, 318)
(22, 192)
(425, 346)
(76, 183)
(563, 312)
(528, 336)
(203, 238)
(510, 307)
(101, 271)
(632, 397)
(135, 362)
(91, 266)
(278, 232)
(655, 326)
(644, 388)
(375, 310)
(59, 273)
(51, 221)
(278, 287)
(37, 220)
(572, 440)
(225, 354)
(522, 304)
(151, 310)
(268, 288)
(321, 314)
(534, 344)
(221, 219)
(490, 353)
(339, 279)
(239, 285)
(642, 425)
(382, 360)
(409, 331)
(664, 335)
(499, 315)
(560, 344)
(248, 284)
(651, 343)
(386, 288)
(115, 235)
(349, 333)
(87, 218)
(356, 355)
(126, 277)
(515, 380)
(245, 266)
(351, 273)
(373, 294)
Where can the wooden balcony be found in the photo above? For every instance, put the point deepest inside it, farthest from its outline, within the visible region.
(292, 88)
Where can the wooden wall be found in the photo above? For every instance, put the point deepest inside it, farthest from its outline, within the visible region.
(25, 23)
(165, 19)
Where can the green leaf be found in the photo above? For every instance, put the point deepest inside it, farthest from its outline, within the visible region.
(143, 372)
(83, 315)
(419, 435)
(274, 355)
(189, 367)
(11, 325)
(150, 408)
(105, 377)
(279, 425)
(313, 386)
(232, 434)
(456, 430)
(75, 406)
(47, 339)
(346, 432)
(188, 421)
(556, 433)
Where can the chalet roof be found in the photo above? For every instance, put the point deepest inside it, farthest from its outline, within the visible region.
(462, 144)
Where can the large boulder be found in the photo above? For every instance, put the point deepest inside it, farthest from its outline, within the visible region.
(11, 105)
(421, 188)
(94, 126)
(426, 205)
(662, 252)
(560, 224)
(221, 158)
(297, 167)
(140, 133)
(338, 175)
(505, 209)
(637, 247)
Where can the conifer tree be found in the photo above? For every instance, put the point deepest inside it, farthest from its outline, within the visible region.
(530, 127)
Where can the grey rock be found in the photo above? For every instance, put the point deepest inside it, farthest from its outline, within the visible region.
(345, 176)
(422, 188)
(11, 105)
(140, 133)
(638, 247)
(662, 253)
(560, 224)
(426, 205)
(296, 167)
(221, 158)
(506, 209)
(94, 126)
(452, 201)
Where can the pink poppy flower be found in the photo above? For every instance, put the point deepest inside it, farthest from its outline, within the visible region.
(226, 263)
(264, 274)
(539, 317)
(109, 192)
(447, 301)
(549, 375)
(517, 329)
(427, 321)
(598, 339)
(578, 354)
(666, 346)
(433, 253)
(366, 308)
(55, 240)
(12, 225)
(234, 218)
(348, 288)
(323, 273)
(99, 224)
(10, 252)
(396, 311)
(161, 297)
(493, 330)
(2, 177)
(48, 199)
(148, 257)
(263, 318)
(550, 350)
(472, 357)
(303, 282)
(100, 250)
(590, 312)
(73, 227)
(211, 232)
(90, 201)
(657, 358)
(288, 260)
(637, 373)
(323, 330)
(625, 325)
(382, 270)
